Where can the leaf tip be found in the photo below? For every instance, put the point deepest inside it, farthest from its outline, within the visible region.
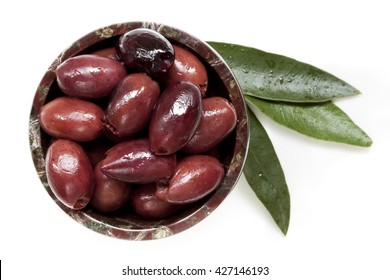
(368, 143)
(365, 141)
(283, 225)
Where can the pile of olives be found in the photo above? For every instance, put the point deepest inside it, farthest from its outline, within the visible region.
(134, 126)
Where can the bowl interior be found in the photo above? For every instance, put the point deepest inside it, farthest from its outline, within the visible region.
(125, 223)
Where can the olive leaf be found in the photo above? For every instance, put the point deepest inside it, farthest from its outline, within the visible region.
(276, 77)
(296, 95)
(323, 121)
(265, 175)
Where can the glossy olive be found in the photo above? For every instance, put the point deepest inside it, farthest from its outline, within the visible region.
(147, 205)
(145, 50)
(175, 118)
(187, 67)
(194, 177)
(218, 120)
(72, 118)
(69, 173)
(133, 161)
(110, 194)
(131, 105)
(89, 76)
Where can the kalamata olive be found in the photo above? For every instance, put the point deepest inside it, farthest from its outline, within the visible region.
(107, 52)
(195, 177)
(175, 118)
(89, 76)
(147, 205)
(131, 105)
(72, 118)
(133, 161)
(187, 67)
(218, 119)
(145, 50)
(69, 173)
(110, 194)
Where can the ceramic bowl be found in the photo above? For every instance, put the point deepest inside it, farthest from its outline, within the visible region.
(126, 224)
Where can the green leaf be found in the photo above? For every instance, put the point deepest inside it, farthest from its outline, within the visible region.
(265, 175)
(323, 121)
(276, 77)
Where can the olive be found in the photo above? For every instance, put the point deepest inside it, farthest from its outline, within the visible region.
(145, 50)
(131, 105)
(69, 173)
(195, 177)
(218, 120)
(147, 205)
(133, 161)
(72, 118)
(89, 76)
(187, 67)
(110, 194)
(175, 118)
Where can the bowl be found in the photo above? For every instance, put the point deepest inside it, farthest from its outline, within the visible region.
(126, 224)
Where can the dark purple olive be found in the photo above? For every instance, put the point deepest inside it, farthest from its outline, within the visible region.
(145, 50)
(131, 105)
(110, 194)
(147, 205)
(133, 161)
(218, 120)
(194, 177)
(69, 173)
(175, 118)
(72, 118)
(187, 67)
(89, 76)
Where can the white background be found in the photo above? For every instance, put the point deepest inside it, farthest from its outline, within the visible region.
(340, 225)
